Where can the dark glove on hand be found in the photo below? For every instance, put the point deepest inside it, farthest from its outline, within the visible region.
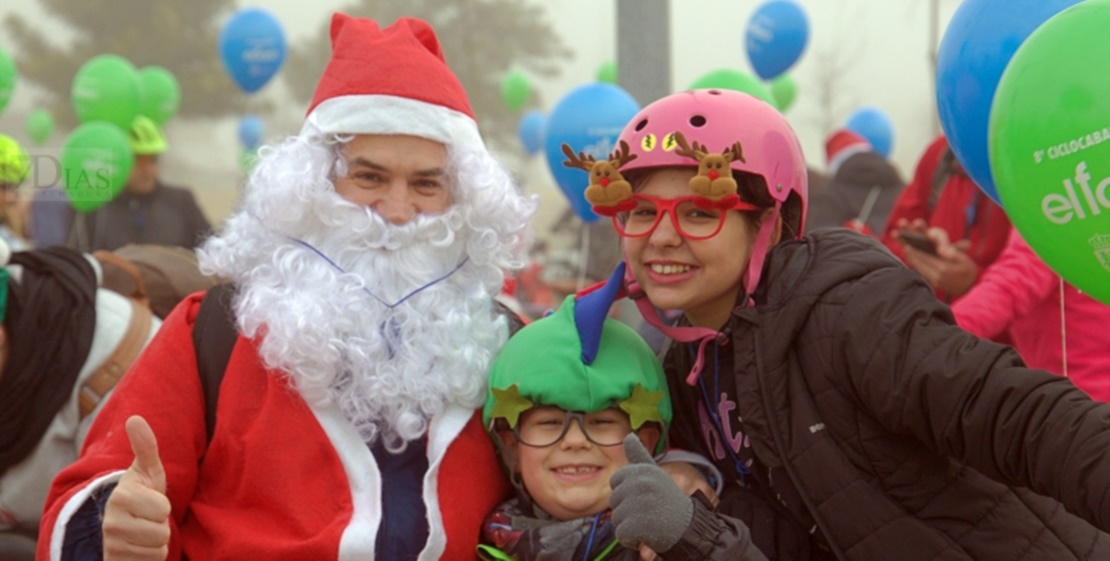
(648, 507)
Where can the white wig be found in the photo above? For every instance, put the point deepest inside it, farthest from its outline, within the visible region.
(389, 323)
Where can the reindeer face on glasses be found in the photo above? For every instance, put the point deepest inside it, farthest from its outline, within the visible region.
(714, 180)
(608, 192)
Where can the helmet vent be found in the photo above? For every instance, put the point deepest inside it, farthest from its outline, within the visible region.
(697, 121)
(714, 92)
(640, 126)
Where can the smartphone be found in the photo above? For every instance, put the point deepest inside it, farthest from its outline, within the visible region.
(918, 241)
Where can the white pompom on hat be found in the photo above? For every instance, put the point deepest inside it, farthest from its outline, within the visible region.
(391, 80)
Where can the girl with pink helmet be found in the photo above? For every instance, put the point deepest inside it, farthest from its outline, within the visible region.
(850, 416)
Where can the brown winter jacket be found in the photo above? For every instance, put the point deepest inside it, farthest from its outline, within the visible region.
(906, 437)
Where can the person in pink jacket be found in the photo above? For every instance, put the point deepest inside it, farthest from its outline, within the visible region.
(1019, 292)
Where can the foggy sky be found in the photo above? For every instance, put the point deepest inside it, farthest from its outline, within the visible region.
(883, 44)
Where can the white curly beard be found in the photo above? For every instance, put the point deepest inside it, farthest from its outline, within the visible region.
(345, 338)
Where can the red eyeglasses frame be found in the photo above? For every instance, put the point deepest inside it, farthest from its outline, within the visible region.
(668, 206)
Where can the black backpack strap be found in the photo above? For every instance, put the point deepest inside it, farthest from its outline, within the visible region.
(515, 321)
(946, 166)
(214, 336)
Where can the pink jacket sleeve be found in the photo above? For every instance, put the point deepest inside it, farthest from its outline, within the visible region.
(1009, 289)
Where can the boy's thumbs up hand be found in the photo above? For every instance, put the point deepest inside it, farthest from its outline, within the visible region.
(635, 452)
(648, 508)
(136, 519)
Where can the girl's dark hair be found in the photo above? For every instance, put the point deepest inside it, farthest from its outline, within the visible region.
(751, 188)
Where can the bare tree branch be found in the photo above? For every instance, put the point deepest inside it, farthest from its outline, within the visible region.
(833, 65)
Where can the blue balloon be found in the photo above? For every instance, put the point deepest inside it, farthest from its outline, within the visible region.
(875, 126)
(776, 36)
(978, 43)
(589, 119)
(252, 47)
(531, 131)
(251, 130)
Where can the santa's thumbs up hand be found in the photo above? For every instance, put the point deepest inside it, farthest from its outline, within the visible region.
(648, 507)
(137, 517)
(147, 465)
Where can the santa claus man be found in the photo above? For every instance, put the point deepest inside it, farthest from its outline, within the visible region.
(365, 258)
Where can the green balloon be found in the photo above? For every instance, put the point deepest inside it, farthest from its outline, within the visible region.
(106, 88)
(1049, 144)
(515, 90)
(248, 159)
(7, 78)
(161, 94)
(39, 125)
(607, 72)
(96, 161)
(728, 79)
(784, 89)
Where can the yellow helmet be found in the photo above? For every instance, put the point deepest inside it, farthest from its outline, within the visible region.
(146, 137)
(13, 161)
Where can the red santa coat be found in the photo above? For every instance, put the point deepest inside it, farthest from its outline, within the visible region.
(280, 480)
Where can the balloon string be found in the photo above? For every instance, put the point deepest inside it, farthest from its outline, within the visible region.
(78, 233)
(1063, 328)
(250, 101)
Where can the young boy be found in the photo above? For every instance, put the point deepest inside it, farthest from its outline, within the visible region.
(573, 398)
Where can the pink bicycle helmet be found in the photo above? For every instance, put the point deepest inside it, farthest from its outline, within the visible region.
(717, 119)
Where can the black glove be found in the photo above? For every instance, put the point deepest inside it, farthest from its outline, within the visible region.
(773, 531)
(648, 507)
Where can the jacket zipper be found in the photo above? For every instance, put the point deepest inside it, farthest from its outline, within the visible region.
(781, 448)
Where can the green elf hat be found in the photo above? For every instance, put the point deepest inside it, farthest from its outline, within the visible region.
(579, 360)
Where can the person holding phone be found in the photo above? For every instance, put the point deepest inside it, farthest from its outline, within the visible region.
(917, 241)
(943, 208)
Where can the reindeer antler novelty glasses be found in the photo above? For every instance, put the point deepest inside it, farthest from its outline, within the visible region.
(693, 217)
(696, 217)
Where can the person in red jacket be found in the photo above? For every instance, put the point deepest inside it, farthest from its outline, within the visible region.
(365, 258)
(942, 195)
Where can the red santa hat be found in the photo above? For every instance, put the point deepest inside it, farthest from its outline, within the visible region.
(841, 145)
(390, 81)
